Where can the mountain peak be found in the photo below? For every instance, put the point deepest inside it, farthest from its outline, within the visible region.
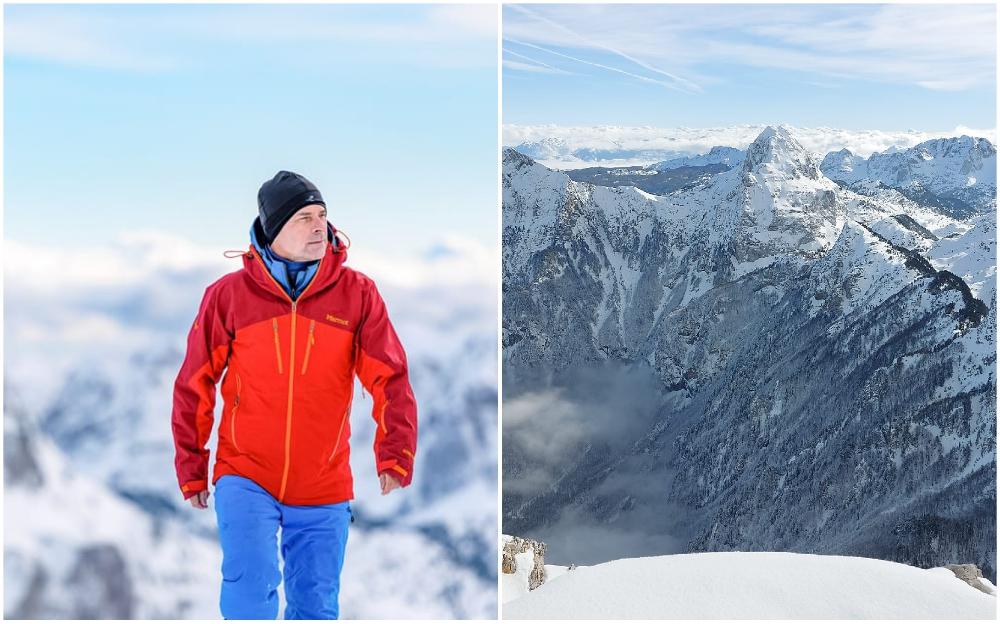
(955, 176)
(964, 145)
(776, 150)
(513, 157)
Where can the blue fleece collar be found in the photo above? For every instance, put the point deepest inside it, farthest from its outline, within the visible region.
(293, 276)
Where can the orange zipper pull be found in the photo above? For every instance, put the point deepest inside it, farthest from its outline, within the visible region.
(309, 343)
(277, 344)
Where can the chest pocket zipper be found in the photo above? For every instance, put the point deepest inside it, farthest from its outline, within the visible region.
(232, 417)
(309, 344)
(277, 344)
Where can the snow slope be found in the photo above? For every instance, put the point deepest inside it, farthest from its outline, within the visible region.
(752, 585)
(72, 549)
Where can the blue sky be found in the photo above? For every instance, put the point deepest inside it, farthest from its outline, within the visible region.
(168, 118)
(891, 67)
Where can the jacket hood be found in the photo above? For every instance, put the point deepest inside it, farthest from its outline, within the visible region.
(326, 274)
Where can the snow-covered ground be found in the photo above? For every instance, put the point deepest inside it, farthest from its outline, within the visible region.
(743, 585)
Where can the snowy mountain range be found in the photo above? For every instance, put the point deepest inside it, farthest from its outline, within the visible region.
(766, 360)
(718, 155)
(574, 147)
(92, 504)
(958, 176)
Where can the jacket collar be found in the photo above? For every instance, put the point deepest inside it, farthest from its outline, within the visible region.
(327, 272)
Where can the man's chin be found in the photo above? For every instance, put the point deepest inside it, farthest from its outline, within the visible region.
(314, 252)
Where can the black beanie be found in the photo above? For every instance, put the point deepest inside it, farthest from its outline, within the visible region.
(281, 197)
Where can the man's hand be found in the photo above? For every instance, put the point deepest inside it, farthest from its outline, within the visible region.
(200, 500)
(388, 483)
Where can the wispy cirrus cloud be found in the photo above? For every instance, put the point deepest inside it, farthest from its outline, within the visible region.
(72, 40)
(938, 47)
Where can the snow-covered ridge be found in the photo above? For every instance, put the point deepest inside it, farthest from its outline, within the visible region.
(752, 585)
(957, 173)
(718, 155)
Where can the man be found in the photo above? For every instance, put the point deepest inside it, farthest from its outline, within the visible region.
(290, 330)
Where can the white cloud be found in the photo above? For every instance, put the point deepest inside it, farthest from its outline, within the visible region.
(71, 40)
(134, 258)
(443, 24)
(138, 256)
(449, 261)
(74, 331)
(468, 20)
(145, 288)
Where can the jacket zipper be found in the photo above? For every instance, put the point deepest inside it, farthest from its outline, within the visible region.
(336, 445)
(309, 344)
(277, 344)
(291, 367)
(350, 399)
(381, 416)
(357, 360)
(347, 416)
(232, 417)
(288, 415)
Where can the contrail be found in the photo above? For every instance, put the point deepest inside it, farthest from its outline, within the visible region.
(614, 69)
(691, 85)
(536, 61)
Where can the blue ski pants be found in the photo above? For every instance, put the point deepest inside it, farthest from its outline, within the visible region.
(313, 539)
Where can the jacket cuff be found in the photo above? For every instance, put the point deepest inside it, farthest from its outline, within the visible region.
(400, 471)
(191, 488)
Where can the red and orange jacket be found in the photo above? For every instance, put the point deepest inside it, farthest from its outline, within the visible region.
(289, 380)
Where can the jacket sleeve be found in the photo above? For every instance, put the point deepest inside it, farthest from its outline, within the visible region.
(383, 372)
(208, 346)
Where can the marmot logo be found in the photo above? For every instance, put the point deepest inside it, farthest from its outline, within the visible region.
(337, 320)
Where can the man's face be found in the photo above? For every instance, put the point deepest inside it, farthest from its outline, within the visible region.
(303, 237)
